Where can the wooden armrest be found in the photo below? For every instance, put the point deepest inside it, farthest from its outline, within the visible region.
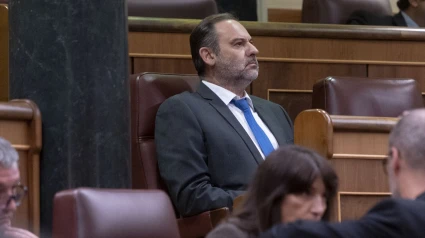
(199, 225)
(238, 201)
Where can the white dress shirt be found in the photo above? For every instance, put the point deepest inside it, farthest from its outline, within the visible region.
(409, 21)
(226, 96)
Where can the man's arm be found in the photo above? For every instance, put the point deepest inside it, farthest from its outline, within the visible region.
(384, 220)
(359, 18)
(183, 160)
(288, 119)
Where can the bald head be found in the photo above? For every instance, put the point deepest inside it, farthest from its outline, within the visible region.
(408, 136)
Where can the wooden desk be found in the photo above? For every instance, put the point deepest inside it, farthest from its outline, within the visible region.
(356, 147)
(20, 123)
(292, 56)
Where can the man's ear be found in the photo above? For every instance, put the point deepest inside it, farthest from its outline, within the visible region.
(207, 56)
(413, 3)
(396, 161)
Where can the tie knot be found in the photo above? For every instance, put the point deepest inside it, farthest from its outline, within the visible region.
(241, 104)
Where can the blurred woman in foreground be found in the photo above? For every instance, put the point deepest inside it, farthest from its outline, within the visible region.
(293, 183)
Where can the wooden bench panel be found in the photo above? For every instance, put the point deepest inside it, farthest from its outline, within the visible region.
(356, 147)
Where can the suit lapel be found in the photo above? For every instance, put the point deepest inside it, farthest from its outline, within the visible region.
(269, 120)
(399, 20)
(225, 112)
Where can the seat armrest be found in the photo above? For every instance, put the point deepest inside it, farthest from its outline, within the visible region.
(199, 225)
(238, 202)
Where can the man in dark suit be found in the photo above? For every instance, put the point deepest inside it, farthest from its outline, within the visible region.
(401, 216)
(412, 14)
(209, 143)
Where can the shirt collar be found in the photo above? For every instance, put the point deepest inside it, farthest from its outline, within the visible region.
(409, 21)
(225, 95)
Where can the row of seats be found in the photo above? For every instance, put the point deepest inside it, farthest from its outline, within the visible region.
(374, 97)
(338, 11)
(149, 213)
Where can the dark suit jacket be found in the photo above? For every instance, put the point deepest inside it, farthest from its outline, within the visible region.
(367, 18)
(390, 218)
(205, 156)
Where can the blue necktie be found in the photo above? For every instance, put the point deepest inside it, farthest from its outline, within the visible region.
(261, 137)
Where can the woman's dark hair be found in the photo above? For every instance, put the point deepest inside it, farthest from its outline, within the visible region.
(403, 4)
(204, 35)
(288, 170)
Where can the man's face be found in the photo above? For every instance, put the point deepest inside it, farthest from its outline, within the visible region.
(421, 6)
(8, 178)
(418, 6)
(236, 61)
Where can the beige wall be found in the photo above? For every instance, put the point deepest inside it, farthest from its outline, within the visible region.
(296, 4)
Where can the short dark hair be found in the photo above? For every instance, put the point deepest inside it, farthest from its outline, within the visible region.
(290, 169)
(408, 137)
(403, 4)
(204, 35)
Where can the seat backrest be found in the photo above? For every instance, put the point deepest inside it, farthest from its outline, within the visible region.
(148, 92)
(366, 96)
(111, 213)
(338, 11)
(189, 9)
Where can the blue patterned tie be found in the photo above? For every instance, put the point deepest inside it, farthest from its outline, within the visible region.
(261, 137)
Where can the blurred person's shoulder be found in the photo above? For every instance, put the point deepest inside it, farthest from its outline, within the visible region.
(13, 232)
(228, 230)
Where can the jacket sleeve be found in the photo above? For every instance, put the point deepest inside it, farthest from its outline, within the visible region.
(358, 18)
(183, 160)
(226, 230)
(384, 220)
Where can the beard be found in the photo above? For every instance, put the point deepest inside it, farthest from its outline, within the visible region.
(237, 75)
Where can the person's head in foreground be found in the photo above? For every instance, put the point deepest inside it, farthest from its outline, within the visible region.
(11, 191)
(415, 9)
(293, 183)
(406, 157)
(223, 53)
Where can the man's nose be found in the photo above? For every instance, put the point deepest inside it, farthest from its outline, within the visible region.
(252, 49)
(11, 205)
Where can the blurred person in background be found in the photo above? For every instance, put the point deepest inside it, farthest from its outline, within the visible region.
(412, 14)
